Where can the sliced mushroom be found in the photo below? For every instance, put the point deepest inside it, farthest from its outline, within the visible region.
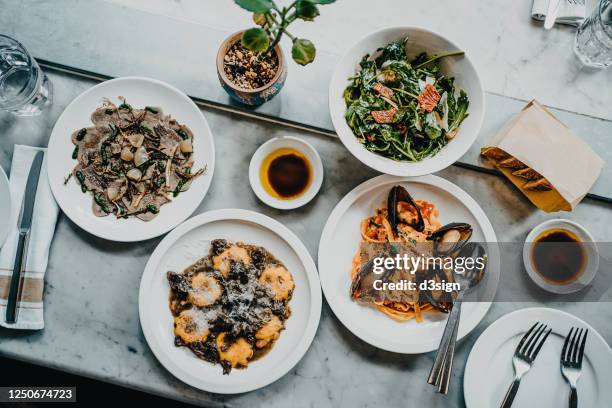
(136, 139)
(141, 156)
(113, 193)
(126, 154)
(134, 174)
(186, 146)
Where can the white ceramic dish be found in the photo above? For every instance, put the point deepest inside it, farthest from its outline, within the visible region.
(139, 92)
(489, 371)
(419, 40)
(5, 206)
(286, 142)
(592, 255)
(189, 242)
(340, 240)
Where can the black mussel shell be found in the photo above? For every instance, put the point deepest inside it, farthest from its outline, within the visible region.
(443, 248)
(397, 195)
(442, 301)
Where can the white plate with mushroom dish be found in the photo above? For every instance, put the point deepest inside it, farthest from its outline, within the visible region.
(230, 301)
(130, 159)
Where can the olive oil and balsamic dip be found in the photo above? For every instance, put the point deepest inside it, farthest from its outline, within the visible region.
(558, 256)
(286, 173)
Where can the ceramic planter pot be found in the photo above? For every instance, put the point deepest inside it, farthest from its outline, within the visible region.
(253, 97)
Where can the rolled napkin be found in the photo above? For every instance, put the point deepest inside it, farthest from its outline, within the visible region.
(30, 308)
(570, 12)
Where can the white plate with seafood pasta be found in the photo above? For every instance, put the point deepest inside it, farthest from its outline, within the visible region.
(489, 371)
(130, 159)
(389, 323)
(230, 301)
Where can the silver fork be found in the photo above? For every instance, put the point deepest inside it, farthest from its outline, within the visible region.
(577, 2)
(524, 355)
(571, 360)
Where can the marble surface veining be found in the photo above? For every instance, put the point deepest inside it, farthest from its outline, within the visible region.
(91, 291)
(515, 56)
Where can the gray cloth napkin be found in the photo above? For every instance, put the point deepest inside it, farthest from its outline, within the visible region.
(30, 308)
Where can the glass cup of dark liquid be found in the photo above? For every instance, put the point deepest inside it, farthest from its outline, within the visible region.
(561, 256)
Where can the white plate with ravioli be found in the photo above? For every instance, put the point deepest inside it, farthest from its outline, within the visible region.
(154, 139)
(341, 240)
(229, 294)
(489, 371)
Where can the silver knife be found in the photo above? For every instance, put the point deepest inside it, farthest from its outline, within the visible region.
(24, 224)
(551, 14)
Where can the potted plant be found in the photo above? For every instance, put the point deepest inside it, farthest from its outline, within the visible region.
(250, 64)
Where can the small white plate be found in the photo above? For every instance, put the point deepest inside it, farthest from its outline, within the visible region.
(489, 371)
(340, 240)
(5, 206)
(588, 243)
(419, 40)
(139, 92)
(286, 142)
(191, 241)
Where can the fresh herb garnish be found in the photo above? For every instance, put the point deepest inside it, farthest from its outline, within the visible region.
(160, 182)
(81, 177)
(152, 208)
(106, 144)
(99, 199)
(143, 129)
(81, 134)
(182, 134)
(179, 187)
(384, 109)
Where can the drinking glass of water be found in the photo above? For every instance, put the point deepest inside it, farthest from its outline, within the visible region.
(24, 89)
(593, 44)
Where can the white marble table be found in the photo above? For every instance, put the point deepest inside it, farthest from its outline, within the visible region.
(91, 290)
(517, 59)
(514, 55)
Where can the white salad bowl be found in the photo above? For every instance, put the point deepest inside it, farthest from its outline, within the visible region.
(419, 40)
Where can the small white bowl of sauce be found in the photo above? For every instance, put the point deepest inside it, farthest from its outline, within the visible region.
(561, 256)
(286, 172)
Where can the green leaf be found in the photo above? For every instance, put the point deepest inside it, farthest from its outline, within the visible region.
(303, 51)
(306, 10)
(323, 1)
(461, 113)
(255, 39)
(259, 19)
(255, 6)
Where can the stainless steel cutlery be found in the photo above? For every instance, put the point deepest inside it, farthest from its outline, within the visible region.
(528, 348)
(524, 356)
(441, 370)
(24, 225)
(551, 13)
(571, 360)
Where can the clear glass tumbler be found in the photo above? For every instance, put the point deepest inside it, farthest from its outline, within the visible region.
(593, 44)
(24, 89)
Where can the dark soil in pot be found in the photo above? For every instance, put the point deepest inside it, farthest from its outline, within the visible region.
(245, 70)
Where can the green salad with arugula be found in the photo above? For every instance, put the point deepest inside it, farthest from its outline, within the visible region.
(404, 109)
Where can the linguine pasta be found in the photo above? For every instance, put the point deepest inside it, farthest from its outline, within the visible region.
(377, 229)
